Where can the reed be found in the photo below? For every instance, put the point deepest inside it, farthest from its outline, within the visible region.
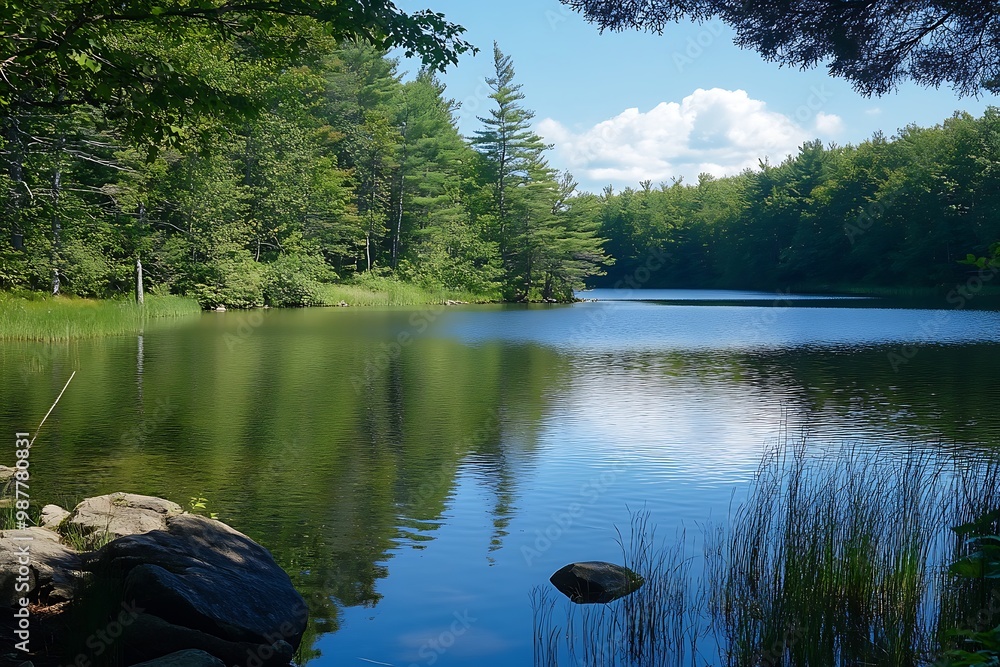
(832, 560)
(54, 319)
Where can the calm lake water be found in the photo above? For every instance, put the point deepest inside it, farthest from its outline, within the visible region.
(405, 466)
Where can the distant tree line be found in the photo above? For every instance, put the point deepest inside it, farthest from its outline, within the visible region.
(901, 212)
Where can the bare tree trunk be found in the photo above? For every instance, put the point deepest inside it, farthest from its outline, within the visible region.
(140, 295)
(140, 292)
(56, 255)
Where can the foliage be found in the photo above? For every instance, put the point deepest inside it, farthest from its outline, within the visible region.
(874, 45)
(157, 64)
(980, 567)
(890, 213)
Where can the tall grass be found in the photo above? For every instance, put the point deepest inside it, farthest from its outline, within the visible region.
(371, 290)
(62, 318)
(832, 560)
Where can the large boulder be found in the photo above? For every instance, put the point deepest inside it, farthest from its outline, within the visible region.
(119, 514)
(595, 582)
(54, 571)
(202, 576)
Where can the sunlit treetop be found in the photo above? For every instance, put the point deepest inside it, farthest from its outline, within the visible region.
(165, 55)
(874, 44)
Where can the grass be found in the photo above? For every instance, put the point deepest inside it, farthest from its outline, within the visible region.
(54, 319)
(384, 291)
(832, 560)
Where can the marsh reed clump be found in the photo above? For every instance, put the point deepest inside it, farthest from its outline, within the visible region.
(58, 319)
(833, 559)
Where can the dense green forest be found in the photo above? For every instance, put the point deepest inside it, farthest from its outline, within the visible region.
(899, 212)
(347, 171)
(245, 178)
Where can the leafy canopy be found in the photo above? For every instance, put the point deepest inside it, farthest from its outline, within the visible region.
(874, 44)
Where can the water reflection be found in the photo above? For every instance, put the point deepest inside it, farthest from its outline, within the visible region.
(401, 484)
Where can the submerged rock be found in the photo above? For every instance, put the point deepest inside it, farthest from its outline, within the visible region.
(595, 582)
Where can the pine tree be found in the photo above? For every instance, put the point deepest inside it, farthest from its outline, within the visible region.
(546, 253)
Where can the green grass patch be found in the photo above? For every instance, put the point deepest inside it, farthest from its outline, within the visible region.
(371, 290)
(65, 318)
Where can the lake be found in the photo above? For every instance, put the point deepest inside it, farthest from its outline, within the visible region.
(413, 469)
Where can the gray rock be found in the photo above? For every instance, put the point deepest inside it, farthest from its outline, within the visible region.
(200, 573)
(119, 514)
(188, 658)
(595, 582)
(54, 570)
(52, 516)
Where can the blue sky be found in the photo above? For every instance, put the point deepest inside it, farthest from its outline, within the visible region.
(621, 108)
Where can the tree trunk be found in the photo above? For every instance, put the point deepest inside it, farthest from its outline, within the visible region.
(140, 295)
(140, 292)
(56, 256)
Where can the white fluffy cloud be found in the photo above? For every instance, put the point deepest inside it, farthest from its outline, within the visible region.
(717, 131)
(828, 124)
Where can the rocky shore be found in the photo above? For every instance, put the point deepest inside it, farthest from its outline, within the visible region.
(125, 579)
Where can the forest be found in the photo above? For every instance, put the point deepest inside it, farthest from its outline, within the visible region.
(346, 173)
(899, 212)
(245, 179)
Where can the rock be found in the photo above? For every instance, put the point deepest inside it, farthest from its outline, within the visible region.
(202, 575)
(220, 308)
(188, 658)
(151, 638)
(52, 516)
(55, 571)
(6, 480)
(119, 514)
(595, 582)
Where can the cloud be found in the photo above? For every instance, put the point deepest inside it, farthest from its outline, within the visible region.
(828, 123)
(721, 132)
(874, 111)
